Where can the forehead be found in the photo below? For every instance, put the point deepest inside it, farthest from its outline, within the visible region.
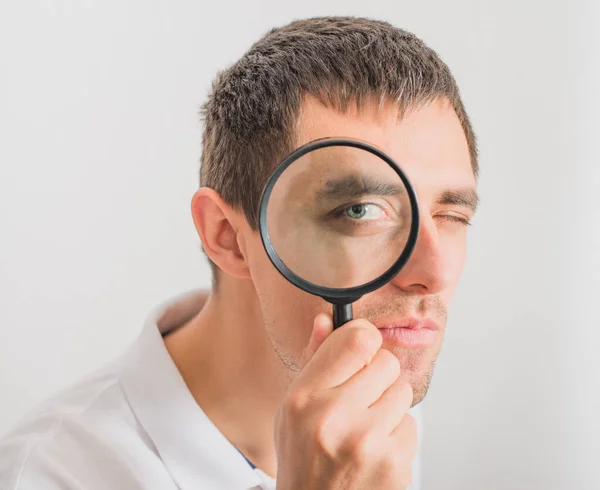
(428, 142)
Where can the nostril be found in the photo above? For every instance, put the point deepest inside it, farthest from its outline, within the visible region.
(418, 288)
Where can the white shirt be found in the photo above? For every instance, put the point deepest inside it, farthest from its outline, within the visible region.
(131, 425)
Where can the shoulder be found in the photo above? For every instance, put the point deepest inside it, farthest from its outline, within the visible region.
(80, 438)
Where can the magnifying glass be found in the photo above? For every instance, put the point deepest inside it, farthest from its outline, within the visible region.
(338, 219)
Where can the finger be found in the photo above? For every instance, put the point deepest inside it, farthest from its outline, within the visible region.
(322, 327)
(370, 383)
(345, 351)
(391, 408)
(405, 436)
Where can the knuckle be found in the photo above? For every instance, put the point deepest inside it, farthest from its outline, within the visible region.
(296, 403)
(363, 340)
(362, 448)
(322, 438)
(406, 395)
(410, 426)
(410, 422)
(398, 467)
(390, 362)
(325, 433)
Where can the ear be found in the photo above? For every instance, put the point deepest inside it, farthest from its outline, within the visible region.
(218, 226)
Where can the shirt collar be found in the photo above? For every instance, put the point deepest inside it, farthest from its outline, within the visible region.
(194, 451)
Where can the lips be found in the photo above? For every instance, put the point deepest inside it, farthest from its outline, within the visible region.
(410, 323)
(409, 333)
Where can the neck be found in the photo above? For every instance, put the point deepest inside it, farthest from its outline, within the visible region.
(232, 371)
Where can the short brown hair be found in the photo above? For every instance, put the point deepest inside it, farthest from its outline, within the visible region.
(251, 112)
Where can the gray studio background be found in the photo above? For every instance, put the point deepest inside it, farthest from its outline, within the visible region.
(99, 149)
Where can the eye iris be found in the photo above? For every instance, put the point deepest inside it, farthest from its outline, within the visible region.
(357, 211)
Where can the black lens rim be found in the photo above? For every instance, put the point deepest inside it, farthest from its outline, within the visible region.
(336, 295)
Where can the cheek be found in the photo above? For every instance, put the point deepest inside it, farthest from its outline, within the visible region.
(288, 312)
(455, 252)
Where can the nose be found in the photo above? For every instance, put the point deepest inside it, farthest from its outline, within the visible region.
(426, 271)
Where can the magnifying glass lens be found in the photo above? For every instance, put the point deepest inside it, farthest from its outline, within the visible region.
(339, 217)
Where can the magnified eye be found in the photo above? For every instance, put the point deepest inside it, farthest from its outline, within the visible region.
(363, 218)
(364, 212)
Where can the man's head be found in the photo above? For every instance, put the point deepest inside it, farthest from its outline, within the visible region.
(338, 77)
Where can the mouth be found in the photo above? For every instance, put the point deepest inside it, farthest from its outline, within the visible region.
(409, 333)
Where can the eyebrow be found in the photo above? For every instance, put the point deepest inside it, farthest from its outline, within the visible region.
(353, 186)
(460, 197)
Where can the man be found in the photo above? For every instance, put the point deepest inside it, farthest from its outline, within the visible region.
(250, 382)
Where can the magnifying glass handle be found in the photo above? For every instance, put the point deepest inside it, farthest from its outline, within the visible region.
(341, 314)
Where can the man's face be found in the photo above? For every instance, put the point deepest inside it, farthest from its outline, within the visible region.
(429, 144)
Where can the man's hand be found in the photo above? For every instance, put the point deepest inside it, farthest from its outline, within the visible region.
(344, 423)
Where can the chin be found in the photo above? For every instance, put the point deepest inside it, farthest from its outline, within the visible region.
(417, 368)
(420, 390)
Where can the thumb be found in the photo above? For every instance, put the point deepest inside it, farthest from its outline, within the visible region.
(322, 328)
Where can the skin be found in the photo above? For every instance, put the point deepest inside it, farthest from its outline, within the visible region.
(248, 346)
